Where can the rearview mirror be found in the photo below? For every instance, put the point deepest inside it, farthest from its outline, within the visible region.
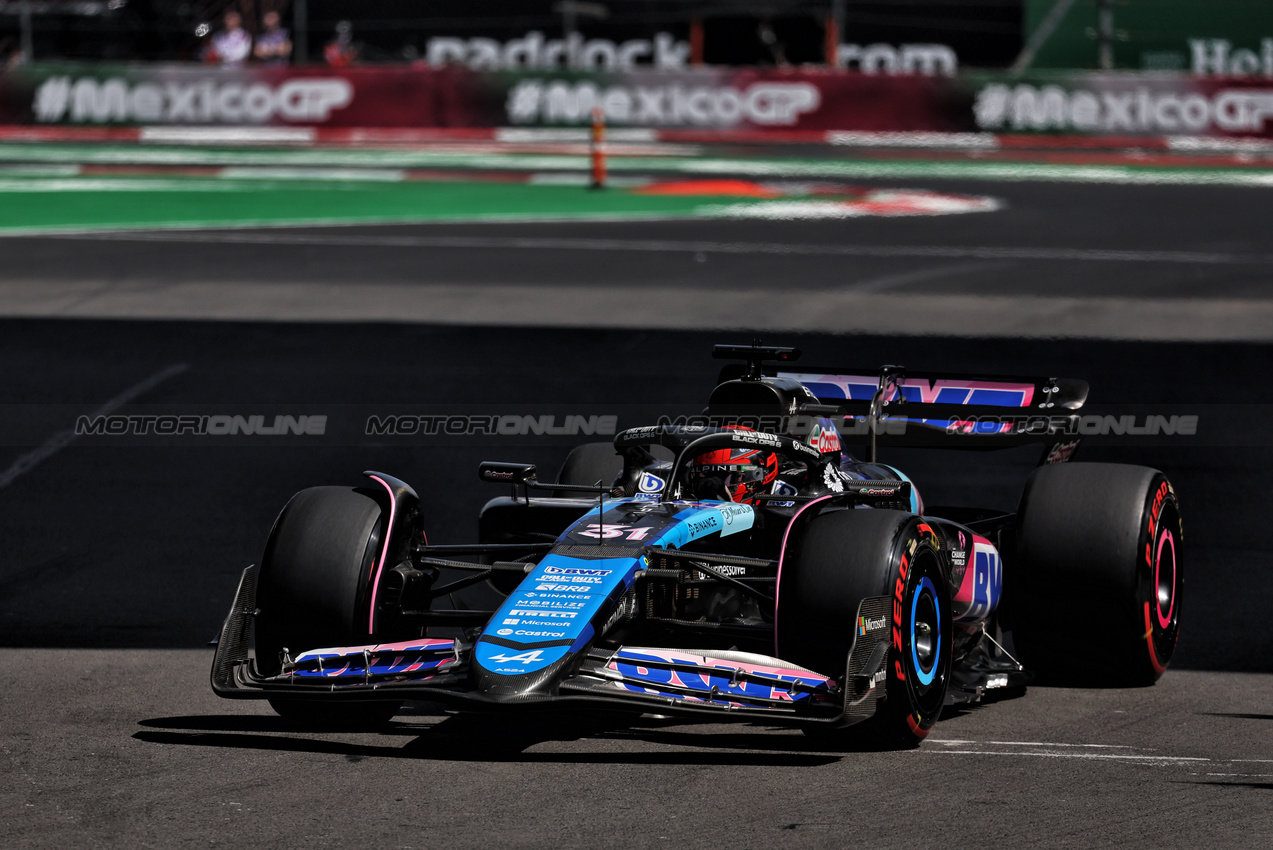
(505, 473)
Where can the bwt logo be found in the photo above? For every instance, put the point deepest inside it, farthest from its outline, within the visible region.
(88, 100)
(765, 104)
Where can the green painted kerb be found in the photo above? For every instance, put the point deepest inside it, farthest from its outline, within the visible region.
(240, 202)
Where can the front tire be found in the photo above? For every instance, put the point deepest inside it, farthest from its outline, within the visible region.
(842, 558)
(314, 590)
(1096, 591)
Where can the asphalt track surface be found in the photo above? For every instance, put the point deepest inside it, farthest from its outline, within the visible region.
(1144, 262)
(119, 560)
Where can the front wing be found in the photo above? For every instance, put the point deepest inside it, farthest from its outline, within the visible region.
(718, 683)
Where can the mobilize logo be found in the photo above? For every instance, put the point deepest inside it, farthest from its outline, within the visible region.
(89, 100)
(210, 426)
(765, 104)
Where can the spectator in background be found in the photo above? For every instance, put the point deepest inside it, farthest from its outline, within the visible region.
(10, 54)
(232, 45)
(341, 50)
(273, 46)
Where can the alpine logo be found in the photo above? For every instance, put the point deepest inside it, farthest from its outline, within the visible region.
(520, 658)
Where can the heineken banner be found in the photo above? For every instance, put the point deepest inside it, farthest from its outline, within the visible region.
(709, 99)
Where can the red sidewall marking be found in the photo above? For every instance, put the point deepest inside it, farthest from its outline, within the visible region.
(1159, 667)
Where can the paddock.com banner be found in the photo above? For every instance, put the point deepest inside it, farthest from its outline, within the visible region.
(712, 99)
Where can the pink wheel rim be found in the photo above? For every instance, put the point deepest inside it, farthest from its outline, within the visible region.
(1164, 620)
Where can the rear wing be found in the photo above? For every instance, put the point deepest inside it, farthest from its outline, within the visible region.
(888, 406)
(946, 410)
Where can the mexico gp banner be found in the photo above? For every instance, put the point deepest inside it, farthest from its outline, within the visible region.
(721, 100)
(1123, 104)
(88, 95)
(740, 99)
(715, 99)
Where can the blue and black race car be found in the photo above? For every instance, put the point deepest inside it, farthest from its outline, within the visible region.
(742, 565)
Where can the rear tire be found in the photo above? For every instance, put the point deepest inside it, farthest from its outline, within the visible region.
(842, 558)
(313, 591)
(1094, 596)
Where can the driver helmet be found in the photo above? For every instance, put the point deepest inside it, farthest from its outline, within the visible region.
(733, 474)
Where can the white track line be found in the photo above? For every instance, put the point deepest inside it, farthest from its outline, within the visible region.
(62, 439)
(1098, 756)
(1241, 774)
(1034, 744)
(678, 246)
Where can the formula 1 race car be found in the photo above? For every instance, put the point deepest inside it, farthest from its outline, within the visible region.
(743, 564)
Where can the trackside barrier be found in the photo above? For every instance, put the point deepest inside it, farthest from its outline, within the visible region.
(515, 136)
(387, 105)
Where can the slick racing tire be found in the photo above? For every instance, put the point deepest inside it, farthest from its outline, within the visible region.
(841, 558)
(313, 591)
(589, 463)
(1094, 596)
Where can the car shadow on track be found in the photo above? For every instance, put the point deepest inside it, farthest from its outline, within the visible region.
(1239, 716)
(565, 738)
